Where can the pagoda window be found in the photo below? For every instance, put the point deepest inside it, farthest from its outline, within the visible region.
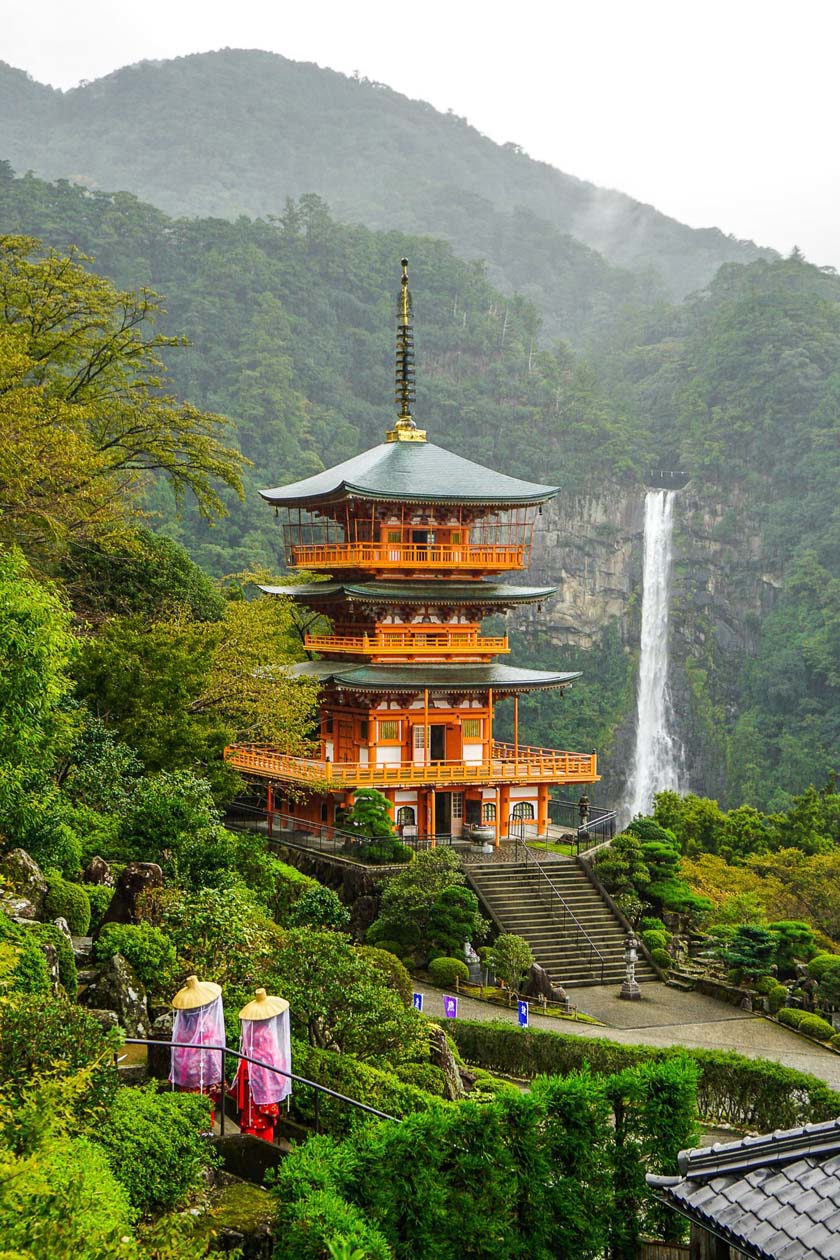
(389, 732)
(406, 816)
(523, 810)
(457, 804)
(363, 730)
(489, 812)
(472, 728)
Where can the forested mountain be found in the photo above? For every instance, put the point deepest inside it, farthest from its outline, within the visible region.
(292, 331)
(236, 132)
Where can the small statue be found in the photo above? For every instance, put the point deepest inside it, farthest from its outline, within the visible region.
(583, 809)
(199, 1021)
(265, 1036)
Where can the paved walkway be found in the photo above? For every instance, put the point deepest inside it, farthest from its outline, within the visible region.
(666, 1017)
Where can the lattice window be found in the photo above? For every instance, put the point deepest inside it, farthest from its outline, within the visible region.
(472, 728)
(489, 812)
(421, 737)
(406, 816)
(523, 809)
(457, 804)
(389, 730)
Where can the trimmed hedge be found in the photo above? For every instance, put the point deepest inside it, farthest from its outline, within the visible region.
(821, 963)
(654, 939)
(346, 1075)
(814, 1026)
(662, 958)
(445, 971)
(792, 1016)
(66, 900)
(734, 1090)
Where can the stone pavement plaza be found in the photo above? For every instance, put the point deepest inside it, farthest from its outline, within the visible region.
(666, 1017)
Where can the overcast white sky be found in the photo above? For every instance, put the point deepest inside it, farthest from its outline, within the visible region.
(719, 113)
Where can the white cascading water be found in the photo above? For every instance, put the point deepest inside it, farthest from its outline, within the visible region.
(657, 762)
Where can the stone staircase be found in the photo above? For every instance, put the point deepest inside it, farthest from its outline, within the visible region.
(572, 933)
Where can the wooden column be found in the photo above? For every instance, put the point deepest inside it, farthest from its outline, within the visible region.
(427, 739)
(516, 730)
(269, 809)
(498, 816)
(504, 808)
(542, 809)
(490, 723)
(432, 815)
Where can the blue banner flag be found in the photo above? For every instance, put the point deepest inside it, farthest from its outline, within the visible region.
(523, 1014)
(450, 1006)
(417, 1000)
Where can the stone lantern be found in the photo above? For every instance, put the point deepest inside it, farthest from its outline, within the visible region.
(630, 988)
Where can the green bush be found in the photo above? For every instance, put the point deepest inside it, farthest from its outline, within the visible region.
(792, 1016)
(402, 853)
(814, 1026)
(820, 963)
(445, 971)
(347, 1075)
(662, 958)
(324, 1218)
(100, 897)
(835, 1042)
(290, 885)
(49, 934)
(776, 998)
(55, 1038)
(424, 1076)
(68, 901)
(654, 940)
(155, 1146)
(319, 907)
(749, 1094)
(830, 985)
(393, 971)
(149, 951)
(387, 947)
(651, 924)
(23, 964)
(794, 941)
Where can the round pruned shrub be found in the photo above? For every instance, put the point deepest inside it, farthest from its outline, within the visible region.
(776, 998)
(391, 969)
(149, 951)
(425, 1076)
(445, 971)
(66, 900)
(662, 958)
(791, 1016)
(155, 1146)
(820, 963)
(319, 907)
(654, 940)
(814, 1026)
(389, 947)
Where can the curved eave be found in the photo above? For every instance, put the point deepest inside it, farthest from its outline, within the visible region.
(347, 490)
(440, 678)
(495, 594)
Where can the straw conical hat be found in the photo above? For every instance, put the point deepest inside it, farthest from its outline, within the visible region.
(195, 993)
(263, 1006)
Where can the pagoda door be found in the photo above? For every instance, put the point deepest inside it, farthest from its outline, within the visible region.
(437, 743)
(345, 750)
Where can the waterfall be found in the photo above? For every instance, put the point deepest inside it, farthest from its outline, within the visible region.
(657, 761)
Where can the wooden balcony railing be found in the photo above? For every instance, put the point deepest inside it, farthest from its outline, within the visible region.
(508, 765)
(409, 642)
(398, 556)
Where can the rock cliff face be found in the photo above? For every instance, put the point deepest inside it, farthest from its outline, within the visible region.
(591, 549)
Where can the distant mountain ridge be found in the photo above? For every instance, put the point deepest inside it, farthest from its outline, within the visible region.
(237, 132)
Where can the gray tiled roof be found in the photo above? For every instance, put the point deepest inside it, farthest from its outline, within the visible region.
(775, 1197)
(410, 472)
(435, 677)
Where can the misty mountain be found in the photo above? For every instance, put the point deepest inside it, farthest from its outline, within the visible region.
(237, 132)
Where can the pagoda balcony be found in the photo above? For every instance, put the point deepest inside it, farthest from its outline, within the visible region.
(408, 643)
(509, 764)
(411, 557)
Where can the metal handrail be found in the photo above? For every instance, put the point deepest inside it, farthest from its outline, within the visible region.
(292, 1076)
(568, 913)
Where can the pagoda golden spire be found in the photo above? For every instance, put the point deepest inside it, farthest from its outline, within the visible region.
(405, 430)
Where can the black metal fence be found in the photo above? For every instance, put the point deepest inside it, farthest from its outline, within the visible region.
(600, 824)
(225, 1051)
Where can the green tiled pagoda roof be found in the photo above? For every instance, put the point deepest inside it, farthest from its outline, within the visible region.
(409, 472)
(435, 677)
(419, 592)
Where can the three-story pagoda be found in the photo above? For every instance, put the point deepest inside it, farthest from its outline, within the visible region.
(415, 540)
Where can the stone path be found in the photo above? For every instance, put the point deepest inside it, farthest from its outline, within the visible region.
(666, 1017)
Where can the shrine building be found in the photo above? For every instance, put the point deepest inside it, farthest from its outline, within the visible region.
(416, 542)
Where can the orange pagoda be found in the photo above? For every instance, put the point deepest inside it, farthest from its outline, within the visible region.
(415, 540)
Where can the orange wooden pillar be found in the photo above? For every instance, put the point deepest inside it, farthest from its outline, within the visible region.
(432, 815)
(498, 817)
(504, 809)
(542, 809)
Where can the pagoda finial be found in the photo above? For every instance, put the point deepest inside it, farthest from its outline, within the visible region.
(405, 430)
